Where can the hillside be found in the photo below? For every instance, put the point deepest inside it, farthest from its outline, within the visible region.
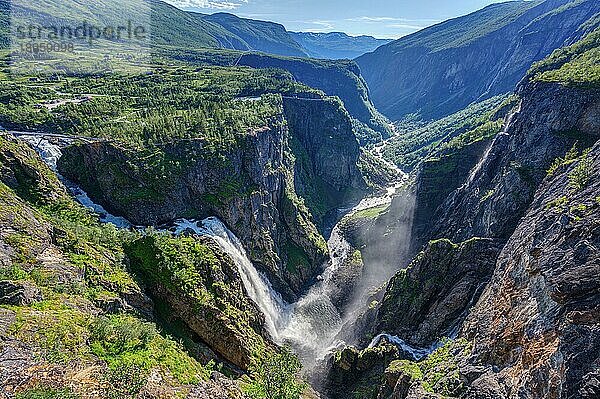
(504, 256)
(169, 26)
(339, 78)
(267, 37)
(336, 45)
(444, 68)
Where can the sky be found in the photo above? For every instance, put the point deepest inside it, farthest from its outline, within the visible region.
(388, 19)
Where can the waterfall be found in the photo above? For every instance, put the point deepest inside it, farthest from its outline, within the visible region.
(50, 154)
(313, 322)
(310, 325)
(257, 285)
(416, 353)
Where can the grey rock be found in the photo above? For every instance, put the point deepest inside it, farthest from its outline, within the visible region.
(517, 162)
(423, 302)
(248, 186)
(543, 300)
(7, 318)
(485, 387)
(19, 293)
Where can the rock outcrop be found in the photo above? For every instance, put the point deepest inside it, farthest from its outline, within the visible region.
(532, 203)
(19, 293)
(537, 322)
(551, 119)
(335, 78)
(325, 170)
(211, 302)
(425, 302)
(74, 322)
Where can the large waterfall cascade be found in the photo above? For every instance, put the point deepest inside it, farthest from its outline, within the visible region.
(309, 326)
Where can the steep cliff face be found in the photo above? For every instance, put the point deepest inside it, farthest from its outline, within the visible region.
(498, 191)
(326, 153)
(537, 321)
(528, 210)
(257, 187)
(427, 300)
(444, 68)
(208, 300)
(493, 196)
(335, 78)
(438, 176)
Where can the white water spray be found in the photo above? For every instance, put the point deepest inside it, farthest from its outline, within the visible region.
(416, 353)
(309, 325)
(312, 324)
(257, 285)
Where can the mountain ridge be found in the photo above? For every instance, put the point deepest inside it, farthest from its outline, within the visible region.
(444, 68)
(337, 45)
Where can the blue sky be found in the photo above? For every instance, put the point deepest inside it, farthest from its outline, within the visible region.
(380, 18)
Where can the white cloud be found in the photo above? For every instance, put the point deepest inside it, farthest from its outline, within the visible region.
(209, 4)
(406, 26)
(368, 19)
(321, 26)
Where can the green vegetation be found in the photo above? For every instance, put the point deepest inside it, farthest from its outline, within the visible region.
(41, 392)
(297, 259)
(485, 131)
(489, 194)
(578, 64)
(438, 372)
(275, 376)
(180, 264)
(462, 31)
(173, 103)
(416, 140)
(570, 157)
(377, 173)
(203, 278)
(581, 174)
(405, 367)
(126, 343)
(85, 265)
(559, 204)
(370, 213)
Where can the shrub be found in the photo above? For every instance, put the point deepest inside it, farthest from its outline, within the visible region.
(132, 348)
(569, 158)
(113, 336)
(40, 392)
(581, 174)
(126, 380)
(275, 376)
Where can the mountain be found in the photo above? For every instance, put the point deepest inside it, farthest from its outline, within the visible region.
(505, 259)
(267, 37)
(339, 78)
(336, 45)
(444, 68)
(169, 26)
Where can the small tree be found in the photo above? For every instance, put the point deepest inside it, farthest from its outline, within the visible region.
(581, 174)
(275, 376)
